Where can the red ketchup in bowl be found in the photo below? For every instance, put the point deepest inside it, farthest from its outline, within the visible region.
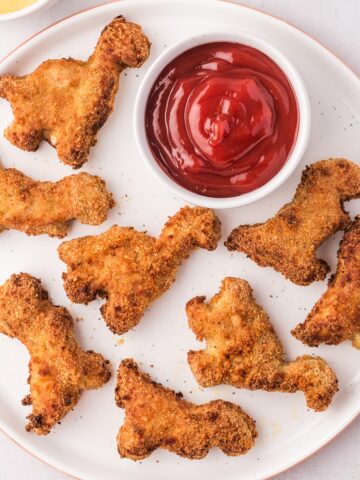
(221, 119)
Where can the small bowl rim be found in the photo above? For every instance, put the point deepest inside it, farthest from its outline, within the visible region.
(302, 98)
(33, 7)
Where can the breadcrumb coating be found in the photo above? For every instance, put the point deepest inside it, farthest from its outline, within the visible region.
(47, 207)
(59, 368)
(132, 269)
(157, 417)
(242, 349)
(288, 242)
(336, 316)
(67, 101)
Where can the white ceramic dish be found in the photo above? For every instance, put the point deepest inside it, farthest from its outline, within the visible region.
(84, 444)
(300, 92)
(34, 7)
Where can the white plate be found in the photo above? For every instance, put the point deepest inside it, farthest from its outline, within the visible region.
(84, 445)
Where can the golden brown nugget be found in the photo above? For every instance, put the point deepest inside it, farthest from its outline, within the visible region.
(47, 207)
(132, 269)
(336, 316)
(288, 242)
(243, 350)
(67, 101)
(157, 417)
(59, 368)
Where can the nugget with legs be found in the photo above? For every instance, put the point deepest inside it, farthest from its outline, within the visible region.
(157, 417)
(288, 242)
(67, 101)
(36, 208)
(243, 350)
(336, 316)
(131, 269)
(59, 369)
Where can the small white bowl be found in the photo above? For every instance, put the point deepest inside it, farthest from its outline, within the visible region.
(303, 106)
(34, 7)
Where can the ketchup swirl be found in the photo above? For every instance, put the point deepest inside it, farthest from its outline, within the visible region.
(221, 119)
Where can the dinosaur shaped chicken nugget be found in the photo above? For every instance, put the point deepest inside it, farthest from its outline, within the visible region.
(156, 416)
(288, 241)
(59, 368)
(44, 207)
(131, 269)
(336, 316)
(243, 349)
(66, 101)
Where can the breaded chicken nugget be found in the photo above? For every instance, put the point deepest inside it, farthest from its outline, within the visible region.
(44, 207)
(157, 417)
(66, 101)
(288, 241)
(243, 349)
(336, 316)
(59, 368)
(132, 269)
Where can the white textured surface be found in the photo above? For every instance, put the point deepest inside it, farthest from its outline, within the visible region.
(335, 24)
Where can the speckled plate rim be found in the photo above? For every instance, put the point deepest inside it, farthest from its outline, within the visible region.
(352, 76)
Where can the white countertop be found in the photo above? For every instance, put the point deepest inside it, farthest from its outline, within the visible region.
(335, 23)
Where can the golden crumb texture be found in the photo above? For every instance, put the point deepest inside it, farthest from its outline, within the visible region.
(336, 316)
(157, 417)
(47, 207)
(67, 101)
(59, 369)
(242, 349)
(288, 242)
(131, 269)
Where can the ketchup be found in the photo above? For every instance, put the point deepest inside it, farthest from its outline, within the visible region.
(221, 119)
